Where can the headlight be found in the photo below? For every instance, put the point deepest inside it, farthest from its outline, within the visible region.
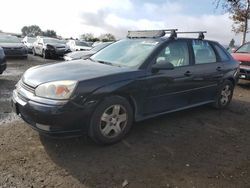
(56, 90)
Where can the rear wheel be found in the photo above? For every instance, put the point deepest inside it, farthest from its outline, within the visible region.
(224, 95)
(111, 121)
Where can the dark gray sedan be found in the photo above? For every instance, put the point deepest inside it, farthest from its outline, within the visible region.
(13, 47)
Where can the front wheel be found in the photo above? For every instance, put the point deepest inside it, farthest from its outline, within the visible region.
(45, 54)
(111, 120)
(224, 95)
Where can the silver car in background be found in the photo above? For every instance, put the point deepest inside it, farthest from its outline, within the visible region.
(85, 54)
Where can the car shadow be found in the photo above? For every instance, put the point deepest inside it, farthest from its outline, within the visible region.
(181, 148)
(245, 84)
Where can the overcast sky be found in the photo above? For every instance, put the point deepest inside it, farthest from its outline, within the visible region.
(75, 17)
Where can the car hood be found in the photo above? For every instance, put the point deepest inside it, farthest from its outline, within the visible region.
(81, 54)
(241, 56)
(78, 70)
(11, 45)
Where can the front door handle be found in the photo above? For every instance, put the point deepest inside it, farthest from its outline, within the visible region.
(188, 73)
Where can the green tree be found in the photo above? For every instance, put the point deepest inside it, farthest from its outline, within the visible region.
(239, 11)
(49, 33)
(32, 30)
(87, 37)
(107, 37)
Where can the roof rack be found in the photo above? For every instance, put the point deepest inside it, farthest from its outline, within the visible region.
(201, 35)
(149, 33)
(160, 33)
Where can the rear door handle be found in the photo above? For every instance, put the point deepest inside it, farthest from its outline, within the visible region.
(219, 69)
(188, 73)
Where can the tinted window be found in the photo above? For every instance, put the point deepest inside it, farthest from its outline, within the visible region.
(244, 49)
(175, 53)
(221, 53)
(203, 52)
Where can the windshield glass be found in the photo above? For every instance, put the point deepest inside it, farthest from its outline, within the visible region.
(127, 52)
(9, 39)
(81, 43)
(57, 41)
(100, 46)
(31, 40)
(244, 49)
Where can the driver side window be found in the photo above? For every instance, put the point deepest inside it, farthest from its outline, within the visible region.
(176, 53)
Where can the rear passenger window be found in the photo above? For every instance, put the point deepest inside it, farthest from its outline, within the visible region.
(203, 52)
(221, 53)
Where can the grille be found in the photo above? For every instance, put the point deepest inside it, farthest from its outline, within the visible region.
(246, 63)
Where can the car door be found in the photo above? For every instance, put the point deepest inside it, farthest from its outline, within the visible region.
(170, 90)
(207, 71)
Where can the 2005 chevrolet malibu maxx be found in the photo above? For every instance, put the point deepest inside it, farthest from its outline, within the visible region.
(142, 76)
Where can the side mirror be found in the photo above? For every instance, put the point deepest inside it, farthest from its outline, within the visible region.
(162, 65)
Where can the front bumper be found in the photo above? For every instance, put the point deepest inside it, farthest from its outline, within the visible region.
(57, 52)
(23, 52)
(244, 72)
(65, 120)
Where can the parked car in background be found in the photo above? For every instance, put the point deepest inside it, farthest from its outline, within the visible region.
(78, 45)
(3, 64)
(85, 54)
(50, 47)
(28, 42)
(12, 46)
(242, 54)
(140, 77)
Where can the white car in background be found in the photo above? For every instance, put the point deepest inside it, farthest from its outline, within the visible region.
(78, 45)
(28, 42)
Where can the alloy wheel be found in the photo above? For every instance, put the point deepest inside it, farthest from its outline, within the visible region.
(225, 95)
(113, 121)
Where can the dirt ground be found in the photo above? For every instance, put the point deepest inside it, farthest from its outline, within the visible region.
(200, 147)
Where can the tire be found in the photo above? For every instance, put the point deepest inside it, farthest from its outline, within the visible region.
(33, 52)
(45, 54)
(224, 95)
(111, 120)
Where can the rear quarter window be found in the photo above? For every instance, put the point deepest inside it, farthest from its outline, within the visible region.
(221, 53)
(203, 52)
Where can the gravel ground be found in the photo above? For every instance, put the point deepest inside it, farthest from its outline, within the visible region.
(200, 147)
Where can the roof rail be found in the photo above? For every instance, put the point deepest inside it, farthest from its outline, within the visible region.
(201, 35)
(160, 33)
(149, 33)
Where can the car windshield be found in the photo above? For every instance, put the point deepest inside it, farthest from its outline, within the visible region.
(53, 41)
(31, 40)
(127, 52)
(81, 43)
(244, 49)
(100, 46)
(9, 39)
